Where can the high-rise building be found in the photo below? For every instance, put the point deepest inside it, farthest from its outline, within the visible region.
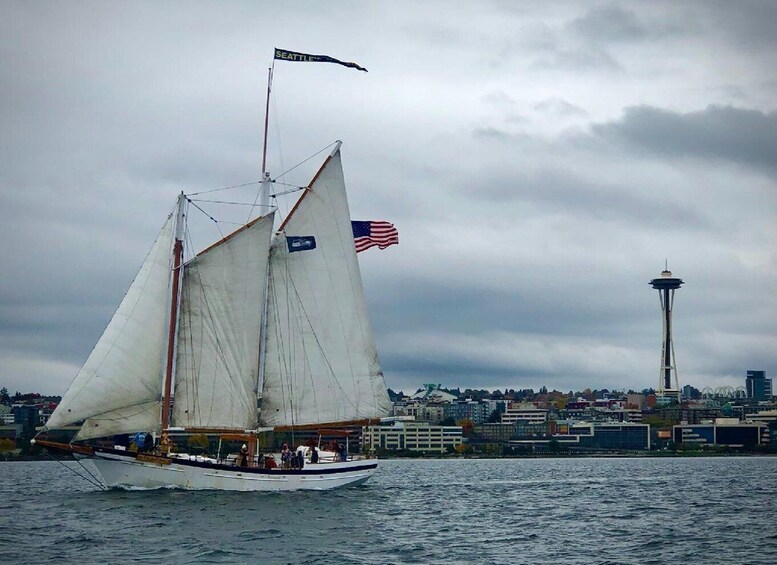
(758, 386)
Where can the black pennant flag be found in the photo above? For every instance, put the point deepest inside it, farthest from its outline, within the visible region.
(284, 55)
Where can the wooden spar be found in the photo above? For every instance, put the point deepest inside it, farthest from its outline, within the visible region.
(237, 437)
(196, 430)
(322, 427)
(69, 447)
(177, 261)
(230, 236)
(338, 143)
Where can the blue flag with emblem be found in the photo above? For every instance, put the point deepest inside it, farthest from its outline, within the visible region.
(300, 243)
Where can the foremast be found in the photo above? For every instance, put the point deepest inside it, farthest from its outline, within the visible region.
(174, 303)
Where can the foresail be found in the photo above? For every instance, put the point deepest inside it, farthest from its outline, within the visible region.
(144, 416)
(321, 364)
(125, 366)
(219, 331)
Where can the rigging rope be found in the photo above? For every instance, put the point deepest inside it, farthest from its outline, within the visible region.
(94, 481)
(306, 160)
(225, 188)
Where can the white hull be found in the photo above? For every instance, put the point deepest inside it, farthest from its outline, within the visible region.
(125, 471)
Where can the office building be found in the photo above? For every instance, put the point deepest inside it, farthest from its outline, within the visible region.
(757, 386)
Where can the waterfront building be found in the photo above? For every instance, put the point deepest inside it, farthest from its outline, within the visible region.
(758, 387)
(728, 432)
(586, 436)
(412, 436)
(768, 417)
(467, 410)
(521, 429)
(523, 412)
(529, 429)
(496, 432)
(618, 436)
(421, 411)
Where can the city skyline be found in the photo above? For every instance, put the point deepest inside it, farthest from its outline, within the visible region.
(541, 161)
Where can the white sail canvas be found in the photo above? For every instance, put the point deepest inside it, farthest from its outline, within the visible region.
(219, 326)
(122, 377)
(321, 363)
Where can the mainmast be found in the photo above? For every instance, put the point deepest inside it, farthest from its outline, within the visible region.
(177, 262)
(264, 203)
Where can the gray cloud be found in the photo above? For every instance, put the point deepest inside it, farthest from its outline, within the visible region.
(744, 136)
(559, 107)
(540, 160)
(611, 23)
(588, 59)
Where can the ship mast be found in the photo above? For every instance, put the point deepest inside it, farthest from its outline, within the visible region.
(266, 120)
(264, 202)
(177, 262)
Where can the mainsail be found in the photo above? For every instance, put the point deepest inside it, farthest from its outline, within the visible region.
(118, 388)
(321, 363)
(219, 331)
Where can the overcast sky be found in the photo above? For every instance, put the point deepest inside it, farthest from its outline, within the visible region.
(541, 161)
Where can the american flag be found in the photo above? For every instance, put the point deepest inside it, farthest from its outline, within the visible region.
(367, 234)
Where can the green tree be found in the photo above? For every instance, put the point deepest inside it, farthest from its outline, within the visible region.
(4, 398)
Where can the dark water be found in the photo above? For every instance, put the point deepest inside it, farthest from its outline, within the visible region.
(706, 510)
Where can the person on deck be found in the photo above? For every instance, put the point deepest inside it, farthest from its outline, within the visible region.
(148, 442)
(242, 458)
(286, 456)
(314, 454)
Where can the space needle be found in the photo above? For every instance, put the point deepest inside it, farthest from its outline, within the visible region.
(666, 285)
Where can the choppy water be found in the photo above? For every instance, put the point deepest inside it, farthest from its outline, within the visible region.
(640, 511)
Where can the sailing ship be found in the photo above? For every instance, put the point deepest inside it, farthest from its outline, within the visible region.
(194, 341)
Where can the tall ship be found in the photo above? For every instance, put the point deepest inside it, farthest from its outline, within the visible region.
(274, 311)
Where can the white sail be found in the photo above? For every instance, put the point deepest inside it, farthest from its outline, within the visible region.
(118, 388)
(217, 358)
(321, 364)
(143, 416)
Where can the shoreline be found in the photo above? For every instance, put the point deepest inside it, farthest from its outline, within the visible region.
(427, 456)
